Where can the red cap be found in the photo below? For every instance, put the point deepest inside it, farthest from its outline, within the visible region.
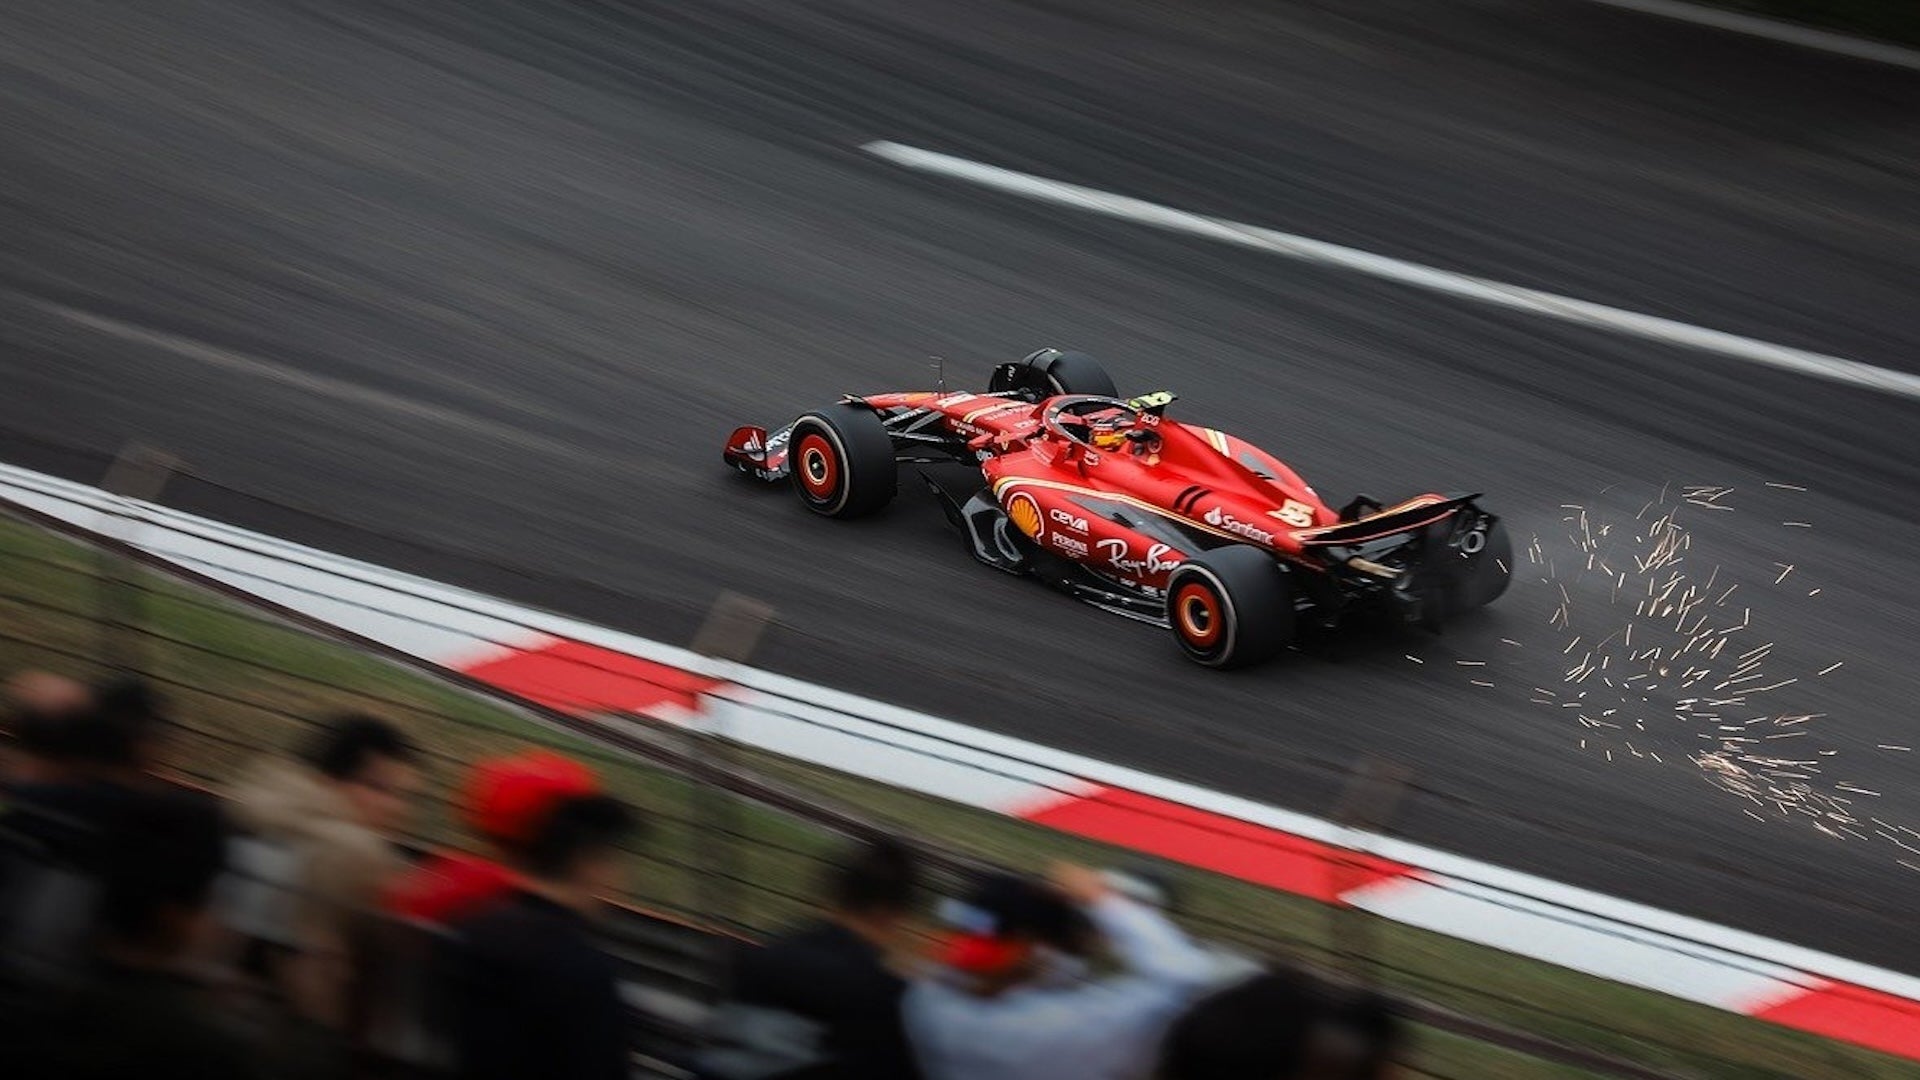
(506, 798)
(982, 954)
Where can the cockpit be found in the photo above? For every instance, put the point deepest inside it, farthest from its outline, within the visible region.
(1107, 425)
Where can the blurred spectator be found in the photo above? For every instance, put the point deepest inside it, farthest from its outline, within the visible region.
(822, 1003)
(142, 1013)
(91, 773)
(80, 749)
(1009, 1003)
(43, 710)
(534, 995)
(116, 743)
(1282, 1026)
(505, 801)
(332, 813)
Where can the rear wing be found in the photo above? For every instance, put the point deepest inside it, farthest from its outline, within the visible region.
(1413, 514)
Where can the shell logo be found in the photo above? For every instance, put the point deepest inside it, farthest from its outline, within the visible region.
(1025, 514)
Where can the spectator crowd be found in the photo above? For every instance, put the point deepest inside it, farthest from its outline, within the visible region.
(279, 928)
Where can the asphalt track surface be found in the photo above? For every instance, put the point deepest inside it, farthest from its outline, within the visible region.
(498, 277)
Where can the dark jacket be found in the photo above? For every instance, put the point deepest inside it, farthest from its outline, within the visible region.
(535, 996)
(130, 1023)
(839, 983)
(54, 840)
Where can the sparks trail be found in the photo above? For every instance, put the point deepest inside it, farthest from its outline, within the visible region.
(1643, 615)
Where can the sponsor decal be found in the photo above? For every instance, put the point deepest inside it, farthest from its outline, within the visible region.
(1025, 514)
(1062, 517)
(1226, 522)
(1075, 548)
(1119, 555)
(1295, 513)
(778, 439)
(993, 410)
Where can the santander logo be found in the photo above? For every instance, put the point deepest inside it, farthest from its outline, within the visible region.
(1226, 522)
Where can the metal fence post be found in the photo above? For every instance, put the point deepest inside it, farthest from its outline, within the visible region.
(732, 630)
(138, 473)
(1366, 805)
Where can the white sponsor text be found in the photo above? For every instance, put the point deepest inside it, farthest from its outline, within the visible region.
(1061, 517)
(1120, 556)
(1228, 523)
(1075, 548)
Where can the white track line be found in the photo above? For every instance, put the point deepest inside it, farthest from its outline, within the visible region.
(1484, 290)
(1787, 33)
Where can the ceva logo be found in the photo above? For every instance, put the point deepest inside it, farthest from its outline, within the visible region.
(1062, 517)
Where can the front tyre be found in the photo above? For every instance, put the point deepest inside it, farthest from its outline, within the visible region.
(841, 461)
(1049, 373)
(1231, 607)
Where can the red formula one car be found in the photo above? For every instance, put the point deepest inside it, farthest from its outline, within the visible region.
(1179, 525)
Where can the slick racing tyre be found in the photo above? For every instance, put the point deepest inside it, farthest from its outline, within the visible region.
(841, 461)
(1488, 576)
(1230, 607)
(1051, 372)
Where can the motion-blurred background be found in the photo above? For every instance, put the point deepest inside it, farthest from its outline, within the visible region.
(474, 289)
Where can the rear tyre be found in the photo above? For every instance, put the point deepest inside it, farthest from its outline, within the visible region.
(1050, 372)
(841, 461)
(1231, 607)
(1490, 574)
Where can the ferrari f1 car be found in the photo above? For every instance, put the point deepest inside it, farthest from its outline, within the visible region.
(1159, 520)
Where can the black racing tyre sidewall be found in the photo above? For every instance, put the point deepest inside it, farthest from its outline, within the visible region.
(1492, 571)
(1051, 372)
(1078, 373)
(1251, 596)
(841, 462)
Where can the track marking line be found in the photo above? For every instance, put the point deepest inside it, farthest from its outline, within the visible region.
(1779, 30)
(1484, 290)
(292, 377)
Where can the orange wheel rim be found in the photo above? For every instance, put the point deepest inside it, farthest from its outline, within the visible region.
(818, 469)
(1196, 610)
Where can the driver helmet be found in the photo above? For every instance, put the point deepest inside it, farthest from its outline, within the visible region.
(1109, 432)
